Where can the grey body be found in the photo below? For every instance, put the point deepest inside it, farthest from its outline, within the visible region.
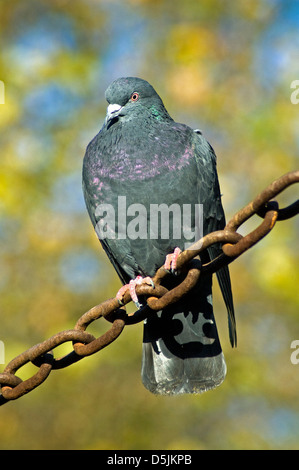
(143, 155)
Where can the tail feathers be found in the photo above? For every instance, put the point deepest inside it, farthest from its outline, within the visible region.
(226, 290)
(225, 286)
(181, 348)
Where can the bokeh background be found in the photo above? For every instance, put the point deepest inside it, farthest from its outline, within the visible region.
(223, 67)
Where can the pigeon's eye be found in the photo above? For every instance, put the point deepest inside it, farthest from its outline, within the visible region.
(135, 96)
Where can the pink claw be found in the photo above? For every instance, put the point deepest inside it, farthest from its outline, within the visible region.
(171, 260)
(132, 288)
(121, 293)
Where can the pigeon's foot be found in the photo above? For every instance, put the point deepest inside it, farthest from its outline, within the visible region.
(171, 260)
(131, 287)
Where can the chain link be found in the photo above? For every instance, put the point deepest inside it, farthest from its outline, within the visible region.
(158, 297)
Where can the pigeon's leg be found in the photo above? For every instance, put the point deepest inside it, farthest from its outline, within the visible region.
(131, 287)
(171, 260)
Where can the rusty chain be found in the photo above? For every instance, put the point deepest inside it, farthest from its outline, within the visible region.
(158, 297)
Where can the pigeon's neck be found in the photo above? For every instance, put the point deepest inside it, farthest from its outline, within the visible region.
(159, 113)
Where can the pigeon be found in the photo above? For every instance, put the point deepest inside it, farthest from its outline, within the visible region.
(150, 186)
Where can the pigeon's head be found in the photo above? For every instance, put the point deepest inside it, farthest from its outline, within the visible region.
(131, 97)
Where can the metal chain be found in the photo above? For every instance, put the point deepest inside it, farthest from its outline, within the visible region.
(158, 297)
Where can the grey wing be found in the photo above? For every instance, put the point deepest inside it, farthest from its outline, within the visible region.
(118, 251)
(215, 220)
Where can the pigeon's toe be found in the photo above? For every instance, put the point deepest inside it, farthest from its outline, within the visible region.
(171, 260)
(131, 287)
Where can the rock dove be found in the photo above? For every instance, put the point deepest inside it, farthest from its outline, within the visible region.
(142, 174)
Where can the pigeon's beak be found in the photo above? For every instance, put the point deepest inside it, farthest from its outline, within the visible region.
(113, 111)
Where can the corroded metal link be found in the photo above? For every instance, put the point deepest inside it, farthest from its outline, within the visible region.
(262, 199)
(283, 213)
(101, 342)
(177, 292)
(9, 379)
(26, 386)
(253, 237)
(158, 297)
(40, 349)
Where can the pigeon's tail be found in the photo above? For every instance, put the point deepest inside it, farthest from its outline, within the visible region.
(181, 348)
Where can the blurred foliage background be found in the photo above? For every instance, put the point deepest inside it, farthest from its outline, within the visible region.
(223, 67)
